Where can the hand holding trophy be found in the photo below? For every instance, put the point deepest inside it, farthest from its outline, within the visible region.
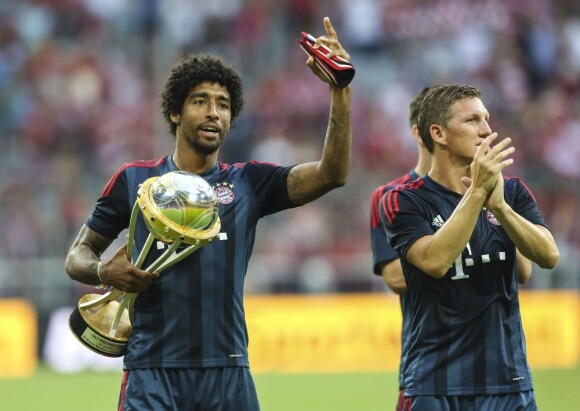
(177, 207)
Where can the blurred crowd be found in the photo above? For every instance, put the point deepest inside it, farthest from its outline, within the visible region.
(79, 95)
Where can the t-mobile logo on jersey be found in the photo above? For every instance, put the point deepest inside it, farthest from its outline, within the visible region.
(161, 245)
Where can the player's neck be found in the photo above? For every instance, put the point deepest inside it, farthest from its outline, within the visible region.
(423, 165)
(194, 162)
(449, 176)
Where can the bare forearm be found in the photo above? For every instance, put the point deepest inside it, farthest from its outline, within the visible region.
(81, 265)
(393, 276)
(435, 254)
(524, 268)
(533, 241)
(84, 256)
(335, 162)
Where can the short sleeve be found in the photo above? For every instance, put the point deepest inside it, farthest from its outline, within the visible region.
(402, 220)
(113, 210)
(523, 201)
(382, 251)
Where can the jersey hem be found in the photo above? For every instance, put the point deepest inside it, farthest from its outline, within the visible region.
(474, 391)
(186, 364)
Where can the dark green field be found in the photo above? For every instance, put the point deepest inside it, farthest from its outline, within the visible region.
(556, 390)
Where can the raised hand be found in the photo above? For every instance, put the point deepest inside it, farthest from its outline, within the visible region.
(336, 50)
(488, 164)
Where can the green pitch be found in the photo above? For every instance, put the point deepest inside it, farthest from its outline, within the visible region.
(556, 390)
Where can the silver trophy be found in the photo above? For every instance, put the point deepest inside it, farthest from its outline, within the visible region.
(179, 208)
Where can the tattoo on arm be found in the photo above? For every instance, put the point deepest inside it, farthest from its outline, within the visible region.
(296, 186)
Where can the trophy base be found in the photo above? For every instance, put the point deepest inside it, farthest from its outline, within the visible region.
(90, 326)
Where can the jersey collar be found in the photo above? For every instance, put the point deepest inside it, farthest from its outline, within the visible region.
(213, 170)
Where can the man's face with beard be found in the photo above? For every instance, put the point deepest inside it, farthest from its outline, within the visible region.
(205, 118)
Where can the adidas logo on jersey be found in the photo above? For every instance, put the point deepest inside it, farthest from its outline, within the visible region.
(437, 221)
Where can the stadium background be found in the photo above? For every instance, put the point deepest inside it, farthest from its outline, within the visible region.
(79, 92)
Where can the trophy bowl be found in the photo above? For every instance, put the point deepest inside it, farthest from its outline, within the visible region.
(177, 207)
(179, 204)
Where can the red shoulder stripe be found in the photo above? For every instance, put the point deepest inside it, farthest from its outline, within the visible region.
(375, 203)
(378, 194)
(139, 163)
(263, 162)
(413, 185)
(399, 181)
(523, 184)
(390, 202)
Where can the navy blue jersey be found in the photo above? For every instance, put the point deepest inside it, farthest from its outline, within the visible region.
(193, 315)
(466, 329)
(383, 253)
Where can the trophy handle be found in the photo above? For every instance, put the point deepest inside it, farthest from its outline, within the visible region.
(105, 298)
(157, 264)
(144, 250)
(128, 300)
(132, 225)
(126, 303)
(131, 238)
(175, 258)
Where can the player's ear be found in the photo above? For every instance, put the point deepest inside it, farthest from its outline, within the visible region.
(176, 118)
(437, 134)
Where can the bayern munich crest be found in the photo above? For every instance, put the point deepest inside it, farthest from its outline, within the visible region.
(491, 218)
(224, 192)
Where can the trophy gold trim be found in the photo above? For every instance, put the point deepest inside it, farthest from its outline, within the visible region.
(102, 322)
